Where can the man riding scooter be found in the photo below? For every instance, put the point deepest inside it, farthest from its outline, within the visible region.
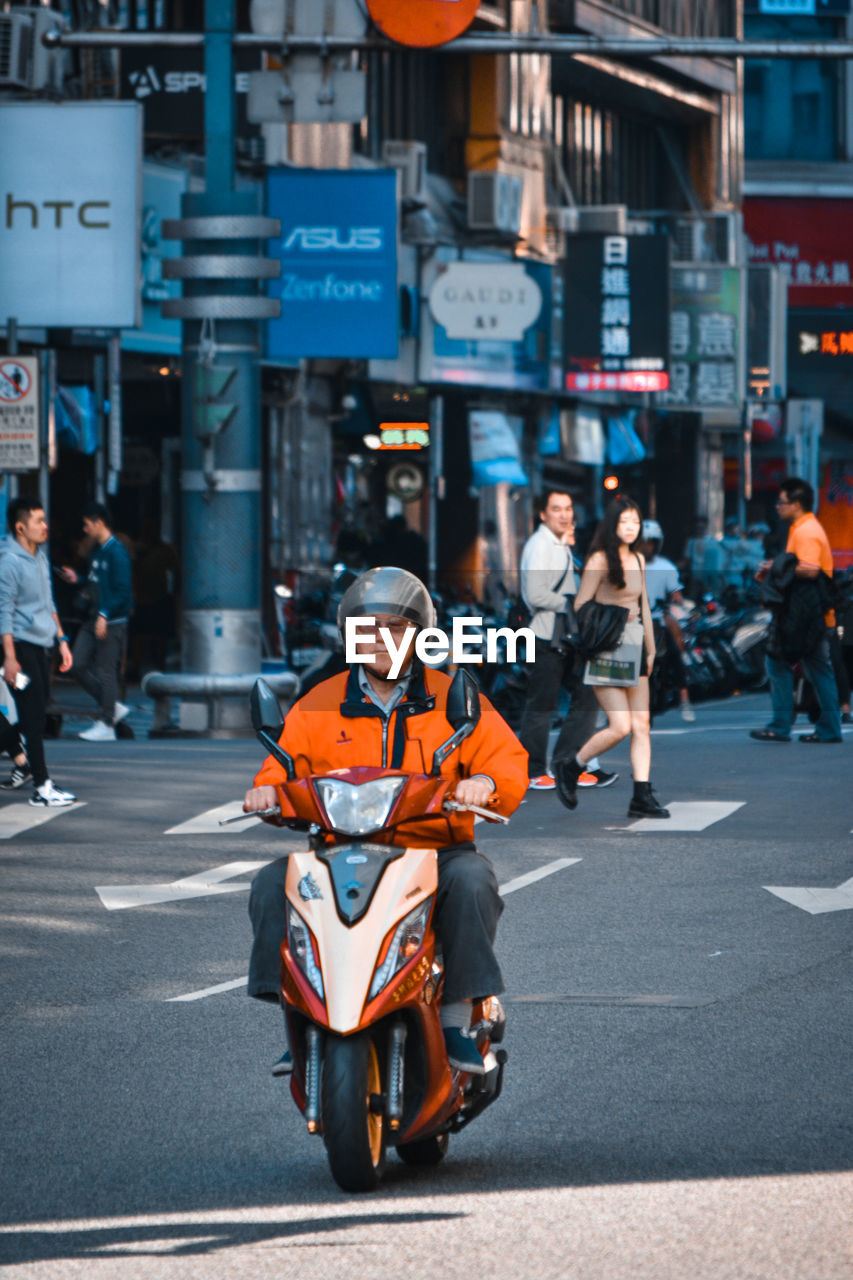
(364, 716)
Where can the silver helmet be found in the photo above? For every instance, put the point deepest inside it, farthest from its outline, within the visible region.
(652, 532)
(394, 592)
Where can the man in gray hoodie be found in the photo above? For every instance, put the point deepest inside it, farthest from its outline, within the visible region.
(29, 627)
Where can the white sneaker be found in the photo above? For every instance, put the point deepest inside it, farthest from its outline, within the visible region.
(687, 712)
(51, 797)
(121, 710)
(99, 732)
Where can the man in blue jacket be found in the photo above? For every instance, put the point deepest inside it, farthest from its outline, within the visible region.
(102, 638)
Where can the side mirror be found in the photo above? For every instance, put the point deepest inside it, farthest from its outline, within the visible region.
(268, 724)
(463, 714)
(463, 700)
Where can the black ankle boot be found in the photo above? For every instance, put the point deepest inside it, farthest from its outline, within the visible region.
(566, 774)
(645, 803)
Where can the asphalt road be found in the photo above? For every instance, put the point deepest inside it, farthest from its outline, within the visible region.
(677, 1100)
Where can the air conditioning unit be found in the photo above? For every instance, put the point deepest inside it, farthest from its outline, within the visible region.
(714, 238)
(16, 50)
(494, 201)
(565, 218)
(47, 67)
(605, 219)
(411, 160)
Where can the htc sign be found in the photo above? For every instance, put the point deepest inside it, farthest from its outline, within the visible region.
(70, 180)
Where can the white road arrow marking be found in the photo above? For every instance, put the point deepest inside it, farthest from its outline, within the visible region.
(686, 815)
(118, 897)
(817, 901)
(207, 823)
(17, 818)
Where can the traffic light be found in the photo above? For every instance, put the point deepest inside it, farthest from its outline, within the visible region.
(611, 483)
(209, 383)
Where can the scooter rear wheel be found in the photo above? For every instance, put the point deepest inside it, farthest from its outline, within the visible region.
(426, 1152)
(354, 1132)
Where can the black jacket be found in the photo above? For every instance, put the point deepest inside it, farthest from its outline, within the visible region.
(798, 606)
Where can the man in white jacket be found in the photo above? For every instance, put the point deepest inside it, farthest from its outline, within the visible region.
(547, 586)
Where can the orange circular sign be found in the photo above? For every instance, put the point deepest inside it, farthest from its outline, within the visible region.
(422, 23)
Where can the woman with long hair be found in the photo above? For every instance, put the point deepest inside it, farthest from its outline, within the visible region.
(615, 575)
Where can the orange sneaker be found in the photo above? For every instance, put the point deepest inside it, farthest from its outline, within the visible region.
(587, 779)
(545, 782)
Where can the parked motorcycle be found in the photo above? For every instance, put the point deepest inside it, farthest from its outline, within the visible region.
(361, 968)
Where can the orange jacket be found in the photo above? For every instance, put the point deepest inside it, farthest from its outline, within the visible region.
(335, 726)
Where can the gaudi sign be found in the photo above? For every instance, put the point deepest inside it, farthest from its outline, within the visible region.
(495, 301)
(69, 213)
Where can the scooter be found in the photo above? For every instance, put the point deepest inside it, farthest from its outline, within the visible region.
(361, 969)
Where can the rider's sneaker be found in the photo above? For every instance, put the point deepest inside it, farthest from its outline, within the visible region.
(545, 782)
(20, 774)
(51, 797)
(688, 715)
(462, 1051)
(284, 1066)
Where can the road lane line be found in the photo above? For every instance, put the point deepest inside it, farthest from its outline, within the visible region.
(519, 882)
(207, 823)
(209, 991)
(530, 877)
(17, 818)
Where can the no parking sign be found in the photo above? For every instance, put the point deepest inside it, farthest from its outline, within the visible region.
(19, 413)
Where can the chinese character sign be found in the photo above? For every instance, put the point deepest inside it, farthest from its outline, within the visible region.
(616, 323)
(19, 413)
(704, 342)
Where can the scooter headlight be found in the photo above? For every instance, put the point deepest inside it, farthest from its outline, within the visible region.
(406, 942)
(300, 942)
(356, 810)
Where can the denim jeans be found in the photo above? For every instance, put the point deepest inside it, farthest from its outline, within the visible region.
(818, 669)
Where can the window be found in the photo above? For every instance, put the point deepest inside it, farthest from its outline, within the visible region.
(791, 107)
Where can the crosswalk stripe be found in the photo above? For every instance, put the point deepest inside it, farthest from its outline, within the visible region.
(207, 823)
(688, 815)
(15, 819)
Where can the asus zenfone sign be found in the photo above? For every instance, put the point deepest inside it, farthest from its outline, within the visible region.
(338, 252)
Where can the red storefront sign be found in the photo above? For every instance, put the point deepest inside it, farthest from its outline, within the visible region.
(810, 240)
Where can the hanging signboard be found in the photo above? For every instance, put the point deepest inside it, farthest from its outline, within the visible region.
(338, 253)
(19, 413)
(809, 241)
(69, 240)
(423, 24)
(485, 300)
(486, 296)
(706, 361)
(615, 315)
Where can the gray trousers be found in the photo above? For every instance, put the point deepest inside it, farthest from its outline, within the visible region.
(468, 907)
(546, 676)
(97, 664)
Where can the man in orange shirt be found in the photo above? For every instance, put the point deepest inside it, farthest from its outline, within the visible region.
(808, 596)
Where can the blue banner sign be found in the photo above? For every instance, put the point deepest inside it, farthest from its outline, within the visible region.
(338, 252)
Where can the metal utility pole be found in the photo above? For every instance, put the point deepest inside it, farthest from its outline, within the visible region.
(222, 232)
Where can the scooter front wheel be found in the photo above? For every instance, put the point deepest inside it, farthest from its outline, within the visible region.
(353, 1123)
